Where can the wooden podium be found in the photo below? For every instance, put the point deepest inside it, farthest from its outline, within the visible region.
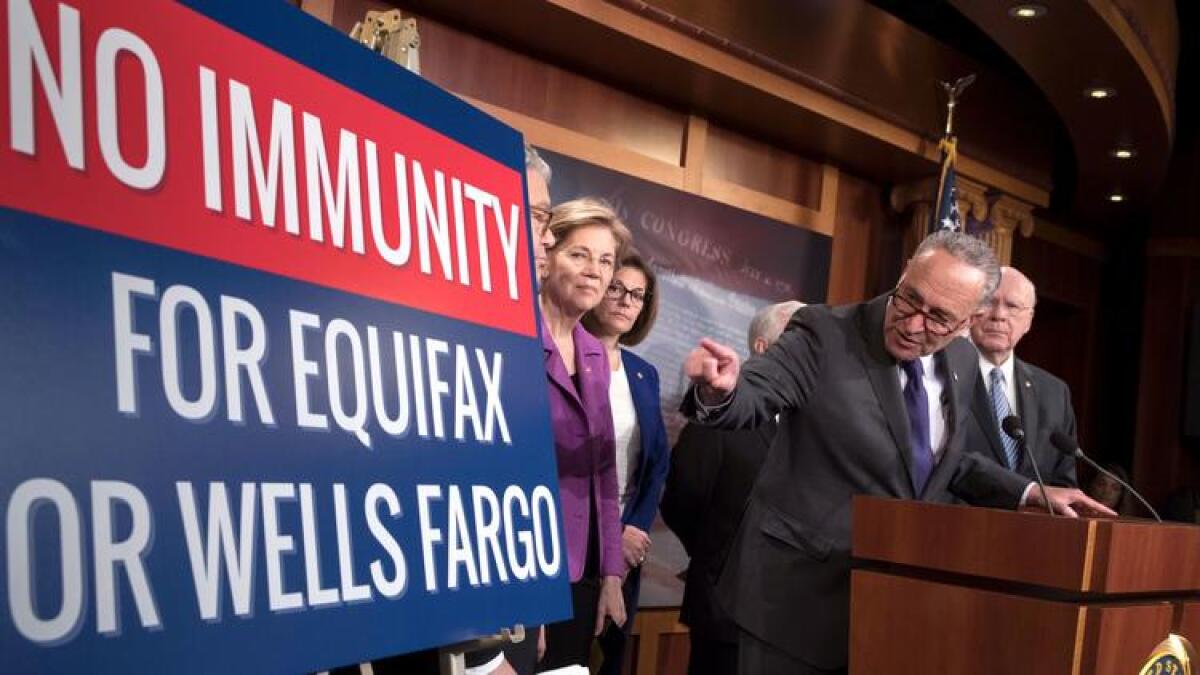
(958, 589)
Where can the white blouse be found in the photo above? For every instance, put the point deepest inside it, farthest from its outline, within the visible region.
(628, 437)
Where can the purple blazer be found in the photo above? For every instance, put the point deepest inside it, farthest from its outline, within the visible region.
(584, 446)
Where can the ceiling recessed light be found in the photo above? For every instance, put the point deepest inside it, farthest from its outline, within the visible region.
(1099, 92)
(1116, 197)
(1123, 153)
(1027, 10)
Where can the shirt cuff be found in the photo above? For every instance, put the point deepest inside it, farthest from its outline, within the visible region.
(703, 411)
(486, 668)
(1025, 494)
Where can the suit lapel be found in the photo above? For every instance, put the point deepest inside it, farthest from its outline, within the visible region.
(557, 370)
(881, 371)
(589, 357)
(766, 431)
(639, 387)
(986, 417)
(1026, 405)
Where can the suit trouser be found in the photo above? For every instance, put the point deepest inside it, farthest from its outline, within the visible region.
(756, 657)
(707, 656)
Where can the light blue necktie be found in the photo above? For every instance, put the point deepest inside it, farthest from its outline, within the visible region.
(1000, 407)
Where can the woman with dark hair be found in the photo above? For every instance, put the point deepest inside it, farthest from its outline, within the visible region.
(1109, 492)
(589, 241)
(624, 318)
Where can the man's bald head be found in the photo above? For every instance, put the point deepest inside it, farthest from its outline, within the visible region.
(768, 324)
(1007, 318)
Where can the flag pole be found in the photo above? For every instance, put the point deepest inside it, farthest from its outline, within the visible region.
(945, 210)
(953, 93)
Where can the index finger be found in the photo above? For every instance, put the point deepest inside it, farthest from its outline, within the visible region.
(717, 349)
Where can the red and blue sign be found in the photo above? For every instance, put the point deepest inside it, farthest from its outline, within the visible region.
(270, 384)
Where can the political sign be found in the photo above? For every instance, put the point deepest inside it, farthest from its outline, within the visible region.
(271, 390)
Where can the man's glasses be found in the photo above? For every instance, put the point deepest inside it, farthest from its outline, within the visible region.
(616, 290)
(939, 325)
(540, 215)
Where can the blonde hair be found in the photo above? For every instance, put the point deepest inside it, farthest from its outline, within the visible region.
(585, 212)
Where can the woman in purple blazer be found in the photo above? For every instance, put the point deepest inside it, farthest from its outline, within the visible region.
(589, 240)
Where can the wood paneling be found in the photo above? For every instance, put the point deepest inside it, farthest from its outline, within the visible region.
(1069, 554)
(919, 535)
(866, 258)
(1189, 622)
(1162, 461)
(762, 167)
(905, 626)
(483, 70)
(948, 589)
(1147, 557)
(1120, 638)
(662, 643)
(1063, 337)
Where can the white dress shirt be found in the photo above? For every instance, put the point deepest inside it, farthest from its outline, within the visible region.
(1010, 386)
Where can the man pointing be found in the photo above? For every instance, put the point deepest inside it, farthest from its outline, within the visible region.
(873, 399)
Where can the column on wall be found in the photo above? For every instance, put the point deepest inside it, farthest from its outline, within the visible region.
(988, 214)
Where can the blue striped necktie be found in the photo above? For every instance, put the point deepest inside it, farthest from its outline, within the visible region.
(1000, 406)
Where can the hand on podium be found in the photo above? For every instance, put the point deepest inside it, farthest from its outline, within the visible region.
(1069, 502)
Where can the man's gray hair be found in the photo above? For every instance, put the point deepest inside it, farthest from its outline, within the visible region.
(535, 163)
(768, 323)
(970, 250)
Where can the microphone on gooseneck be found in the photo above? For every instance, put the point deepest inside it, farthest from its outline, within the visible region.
(1016, 431)
(1066, 446)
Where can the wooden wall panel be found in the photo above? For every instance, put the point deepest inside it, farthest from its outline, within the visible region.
(867, 252)
(471, 66)
(1062, 339)
(1162, 462)
(1122, 637)
(760, 166)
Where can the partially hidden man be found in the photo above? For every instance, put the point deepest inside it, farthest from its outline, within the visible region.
(712, 473)
(873, 399)
(1010, 386)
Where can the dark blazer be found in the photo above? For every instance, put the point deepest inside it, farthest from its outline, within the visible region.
(843, 431)
(712, 473)
(652, 465)
(1044, 406)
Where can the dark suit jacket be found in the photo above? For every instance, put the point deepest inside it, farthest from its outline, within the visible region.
(843, 432)
(1044, 406)
(652, 466)
(712, 473)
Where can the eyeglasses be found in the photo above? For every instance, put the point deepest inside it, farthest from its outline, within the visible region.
(940, 326)
(540, 215)
(616, 290)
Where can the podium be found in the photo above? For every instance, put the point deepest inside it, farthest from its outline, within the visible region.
(958, 589)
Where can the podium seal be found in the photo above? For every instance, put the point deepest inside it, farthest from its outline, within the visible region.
(1173, 656)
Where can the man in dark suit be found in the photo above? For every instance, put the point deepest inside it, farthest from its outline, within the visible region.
(712, 472)
(1009, 386)
(873, 399)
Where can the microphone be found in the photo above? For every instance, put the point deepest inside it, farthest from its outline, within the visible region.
(1012, 426)
(1066, 446)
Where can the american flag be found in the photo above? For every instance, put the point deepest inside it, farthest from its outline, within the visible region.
(946, 216)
